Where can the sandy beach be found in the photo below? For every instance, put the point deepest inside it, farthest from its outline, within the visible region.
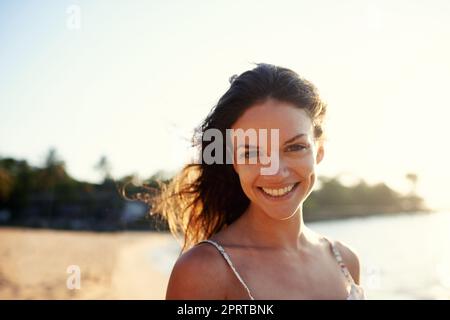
(33, 264)
(136, 265)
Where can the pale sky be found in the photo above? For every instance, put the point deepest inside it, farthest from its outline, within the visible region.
(134, 76)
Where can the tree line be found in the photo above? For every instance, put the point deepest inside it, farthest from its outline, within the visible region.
(47, 196)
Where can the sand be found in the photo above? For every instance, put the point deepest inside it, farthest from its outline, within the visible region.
(33, 264)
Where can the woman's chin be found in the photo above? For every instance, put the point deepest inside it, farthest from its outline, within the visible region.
(281, 213)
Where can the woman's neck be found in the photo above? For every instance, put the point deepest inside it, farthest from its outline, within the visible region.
(264, 231)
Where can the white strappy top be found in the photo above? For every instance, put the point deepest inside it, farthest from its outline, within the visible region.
(356, 291)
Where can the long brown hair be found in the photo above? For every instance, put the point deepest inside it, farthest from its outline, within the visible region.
(204, 198)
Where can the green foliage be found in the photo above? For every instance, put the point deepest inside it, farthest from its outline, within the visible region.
(335, 200)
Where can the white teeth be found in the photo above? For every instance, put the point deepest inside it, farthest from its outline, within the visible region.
(278, 192)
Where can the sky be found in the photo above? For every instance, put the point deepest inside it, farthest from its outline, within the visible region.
(131, 79)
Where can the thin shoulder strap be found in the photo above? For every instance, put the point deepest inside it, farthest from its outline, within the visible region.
(228, 260)
(340, 261)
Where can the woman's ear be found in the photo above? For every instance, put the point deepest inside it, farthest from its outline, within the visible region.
(320, 153)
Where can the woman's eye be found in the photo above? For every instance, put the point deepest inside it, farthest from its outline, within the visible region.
(296, 147)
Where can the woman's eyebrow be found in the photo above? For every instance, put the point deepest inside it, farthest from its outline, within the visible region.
(295, 138)
(247, 146)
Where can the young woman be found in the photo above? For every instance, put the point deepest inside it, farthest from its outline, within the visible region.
(244, 235)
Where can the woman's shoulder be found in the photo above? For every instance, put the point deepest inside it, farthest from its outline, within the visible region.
(201, 256)
(350, 258)
(348, 254)
(199, 273)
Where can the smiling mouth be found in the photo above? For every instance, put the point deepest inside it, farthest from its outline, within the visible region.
(279, 192)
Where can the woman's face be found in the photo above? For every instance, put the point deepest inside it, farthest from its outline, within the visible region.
(279, 194)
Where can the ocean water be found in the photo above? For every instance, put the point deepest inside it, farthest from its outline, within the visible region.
(402, 256)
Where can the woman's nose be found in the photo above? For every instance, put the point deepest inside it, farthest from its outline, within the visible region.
(280, 170)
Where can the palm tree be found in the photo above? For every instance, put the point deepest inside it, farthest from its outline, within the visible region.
(104, 167)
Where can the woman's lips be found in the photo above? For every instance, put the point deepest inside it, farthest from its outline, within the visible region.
(278, 194)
